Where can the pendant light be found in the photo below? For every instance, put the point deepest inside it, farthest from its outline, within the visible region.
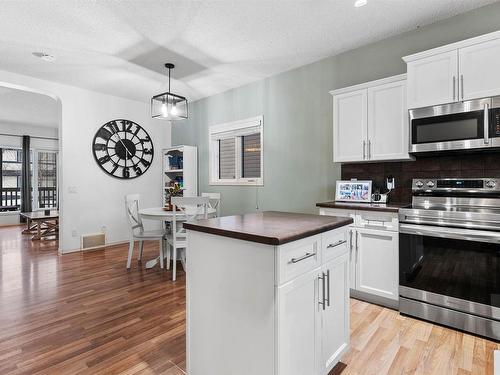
(168, 106)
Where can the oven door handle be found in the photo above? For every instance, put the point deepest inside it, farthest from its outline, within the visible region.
(453, 233)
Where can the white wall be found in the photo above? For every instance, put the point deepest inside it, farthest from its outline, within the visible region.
(98, 200)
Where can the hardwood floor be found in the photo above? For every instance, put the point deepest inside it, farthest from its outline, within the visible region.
(83, 313)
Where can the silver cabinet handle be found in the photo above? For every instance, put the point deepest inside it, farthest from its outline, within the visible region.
(364, 150)
(357, 246)
(486, 124)
(350, 245)
(369, 149)
(454, 84)
(462, 85)
(323, 283)
(303, 257)
(328, 288)
(336, 244)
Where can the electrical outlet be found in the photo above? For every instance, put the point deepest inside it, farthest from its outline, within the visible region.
(74, 233)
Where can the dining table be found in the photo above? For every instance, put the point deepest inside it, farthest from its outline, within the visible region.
(167, 216)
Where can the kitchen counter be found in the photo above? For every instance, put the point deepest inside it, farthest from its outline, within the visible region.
(363, 206)
(269, 227)
(273, 284)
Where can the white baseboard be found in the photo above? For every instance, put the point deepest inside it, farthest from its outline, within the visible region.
(121, 242)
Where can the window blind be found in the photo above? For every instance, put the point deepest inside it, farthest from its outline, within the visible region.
(251, 156)
(227, 159)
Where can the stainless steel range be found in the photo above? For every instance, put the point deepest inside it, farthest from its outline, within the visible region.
(449, 254)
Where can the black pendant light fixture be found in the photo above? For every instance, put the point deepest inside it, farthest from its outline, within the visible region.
(168, 106)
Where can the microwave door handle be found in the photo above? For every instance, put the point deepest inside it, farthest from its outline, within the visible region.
(486, 125)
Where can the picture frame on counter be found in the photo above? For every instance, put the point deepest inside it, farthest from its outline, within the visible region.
(353, 191)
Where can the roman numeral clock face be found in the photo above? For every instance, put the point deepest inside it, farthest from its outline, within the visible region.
(123, 149)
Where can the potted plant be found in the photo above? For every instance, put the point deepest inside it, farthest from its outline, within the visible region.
(173, 190)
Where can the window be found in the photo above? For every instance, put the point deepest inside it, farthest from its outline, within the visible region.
(46, 179)
(10, 179)
(236, 152)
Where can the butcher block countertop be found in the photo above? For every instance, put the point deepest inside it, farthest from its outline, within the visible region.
(363, 206)
(269, 227)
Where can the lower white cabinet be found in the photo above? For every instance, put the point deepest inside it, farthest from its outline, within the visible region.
(377, 262)
(373, 243)
(267, 310)
(313, 313)
(335, 316)
(299, 325)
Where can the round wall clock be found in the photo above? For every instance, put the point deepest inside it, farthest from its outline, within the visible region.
(123, 149)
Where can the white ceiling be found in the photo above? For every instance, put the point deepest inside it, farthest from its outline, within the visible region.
(19, 107)
(119, 47)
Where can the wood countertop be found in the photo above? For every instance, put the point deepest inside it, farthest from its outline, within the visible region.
(363, 206)
(269, 227)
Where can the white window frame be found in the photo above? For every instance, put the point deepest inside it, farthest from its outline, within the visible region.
(230, 129)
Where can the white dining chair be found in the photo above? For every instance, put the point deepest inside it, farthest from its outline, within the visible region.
(214, 201)
(137, 232)
(184, 209)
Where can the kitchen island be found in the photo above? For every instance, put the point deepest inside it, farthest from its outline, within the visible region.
(267, 294)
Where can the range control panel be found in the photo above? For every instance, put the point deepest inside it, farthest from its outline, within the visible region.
(456, 184)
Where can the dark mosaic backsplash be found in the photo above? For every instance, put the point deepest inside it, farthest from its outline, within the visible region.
(449, 166)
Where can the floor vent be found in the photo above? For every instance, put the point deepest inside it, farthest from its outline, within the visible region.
(92, 241)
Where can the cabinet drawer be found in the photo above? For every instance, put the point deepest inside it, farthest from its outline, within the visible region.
(336, 212)
(298, 257)
(377, 220)
(334, 243)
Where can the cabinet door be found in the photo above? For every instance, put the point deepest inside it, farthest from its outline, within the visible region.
(387, 122)
(335, 316)
(377, 263)
(433, 80)
(479, 76)
(299, 322)
(349, 126)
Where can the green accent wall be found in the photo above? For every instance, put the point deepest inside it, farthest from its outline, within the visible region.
(297, 110)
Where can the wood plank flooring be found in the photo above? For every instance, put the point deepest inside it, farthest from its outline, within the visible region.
(83, 313)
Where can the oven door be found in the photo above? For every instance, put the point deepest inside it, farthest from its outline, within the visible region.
(451, 267)
(456, 126)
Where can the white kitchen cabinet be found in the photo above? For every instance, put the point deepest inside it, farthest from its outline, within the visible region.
(370, 121)
(387, 122)
(455, 72)
(377, 259)
(292, 321)
(479, 75)
(350, 126)
(335, 315)
(299, 325)
(433, 80)
(373, 243)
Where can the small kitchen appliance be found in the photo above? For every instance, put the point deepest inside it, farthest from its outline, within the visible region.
(449, 254)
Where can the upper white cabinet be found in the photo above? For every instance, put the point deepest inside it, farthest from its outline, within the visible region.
(455, 72)
(387, 122)
(350, 126)
(370, 121)
(479, 76)
(433, 80)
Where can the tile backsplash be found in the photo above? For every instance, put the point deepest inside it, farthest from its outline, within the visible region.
(467, 165)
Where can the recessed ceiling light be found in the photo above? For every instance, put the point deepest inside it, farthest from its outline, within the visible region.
(45, 56)
(360, 3)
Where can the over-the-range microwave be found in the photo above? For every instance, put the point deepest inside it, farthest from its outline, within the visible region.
(473, 124)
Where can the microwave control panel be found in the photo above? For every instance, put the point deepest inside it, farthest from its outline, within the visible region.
(495, 122)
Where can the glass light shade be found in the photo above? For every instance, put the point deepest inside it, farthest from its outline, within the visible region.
(168, 106)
